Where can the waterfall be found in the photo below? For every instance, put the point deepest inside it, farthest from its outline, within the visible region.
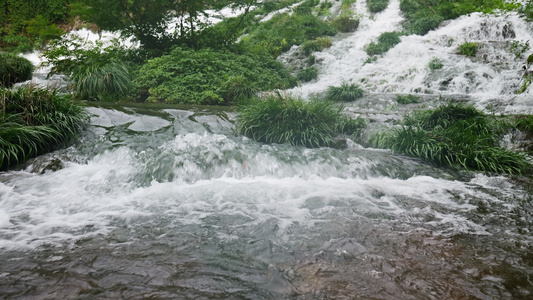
(491, 78)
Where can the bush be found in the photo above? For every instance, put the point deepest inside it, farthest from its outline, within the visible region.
(454, 135)
(318, 44)
(14, 69)
(345, 93)
(435, 64)
(386, 41)
(210, 77)
(468, 49)
(35, 121)
(279, 119)
(407, 99)
(376, 6)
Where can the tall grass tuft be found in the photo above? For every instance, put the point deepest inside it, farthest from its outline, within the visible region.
(14, 68)
(101, 81)
(36, 120)
(454, 135)
(278, 119)
(344, 93)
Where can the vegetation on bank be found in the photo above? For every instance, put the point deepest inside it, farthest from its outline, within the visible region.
(455, 135)
(210, 77)
(280, 119)
(34, 121)
(13, 69)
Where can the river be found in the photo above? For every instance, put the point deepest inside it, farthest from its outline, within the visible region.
(168, 202)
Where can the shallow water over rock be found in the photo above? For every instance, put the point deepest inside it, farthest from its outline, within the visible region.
(169, 203)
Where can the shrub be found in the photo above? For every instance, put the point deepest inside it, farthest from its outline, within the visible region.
(454, 135)
(435, 64)
(345, 93)
(34, 121)
(318, 44)
(376, 6)
(468, 49)
(407, 99)
(278, 119)
(14, 69)
(386, 41)
(196, 76)
(307, 74)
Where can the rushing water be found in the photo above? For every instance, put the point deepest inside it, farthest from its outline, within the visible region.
(170, 203)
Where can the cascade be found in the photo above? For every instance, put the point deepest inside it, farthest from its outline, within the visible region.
(489, 79)
(168, 202)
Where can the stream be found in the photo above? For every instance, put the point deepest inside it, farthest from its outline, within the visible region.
(168, 202)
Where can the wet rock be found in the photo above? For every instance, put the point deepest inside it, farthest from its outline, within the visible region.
(43, 164)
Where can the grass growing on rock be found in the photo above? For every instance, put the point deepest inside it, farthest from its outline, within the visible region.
(36, 120)
(468, 48)
(454, 135)
(344, 93)
(375, 6)
(386, 41)
(279, 119)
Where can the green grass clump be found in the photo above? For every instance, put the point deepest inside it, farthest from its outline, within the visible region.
(407, 99)
(98, 82)
(386, 41)
(307, 74)
(454, 135)
(352, 127)
(468, 49)
(34, 121)
(207, 76)
(14, 68)
(278, 119)
(346, 23)
(376, 6)
(318, 44)
(344, 93)
(435, 64)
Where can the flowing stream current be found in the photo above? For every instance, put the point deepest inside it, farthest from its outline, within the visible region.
(169, 203)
